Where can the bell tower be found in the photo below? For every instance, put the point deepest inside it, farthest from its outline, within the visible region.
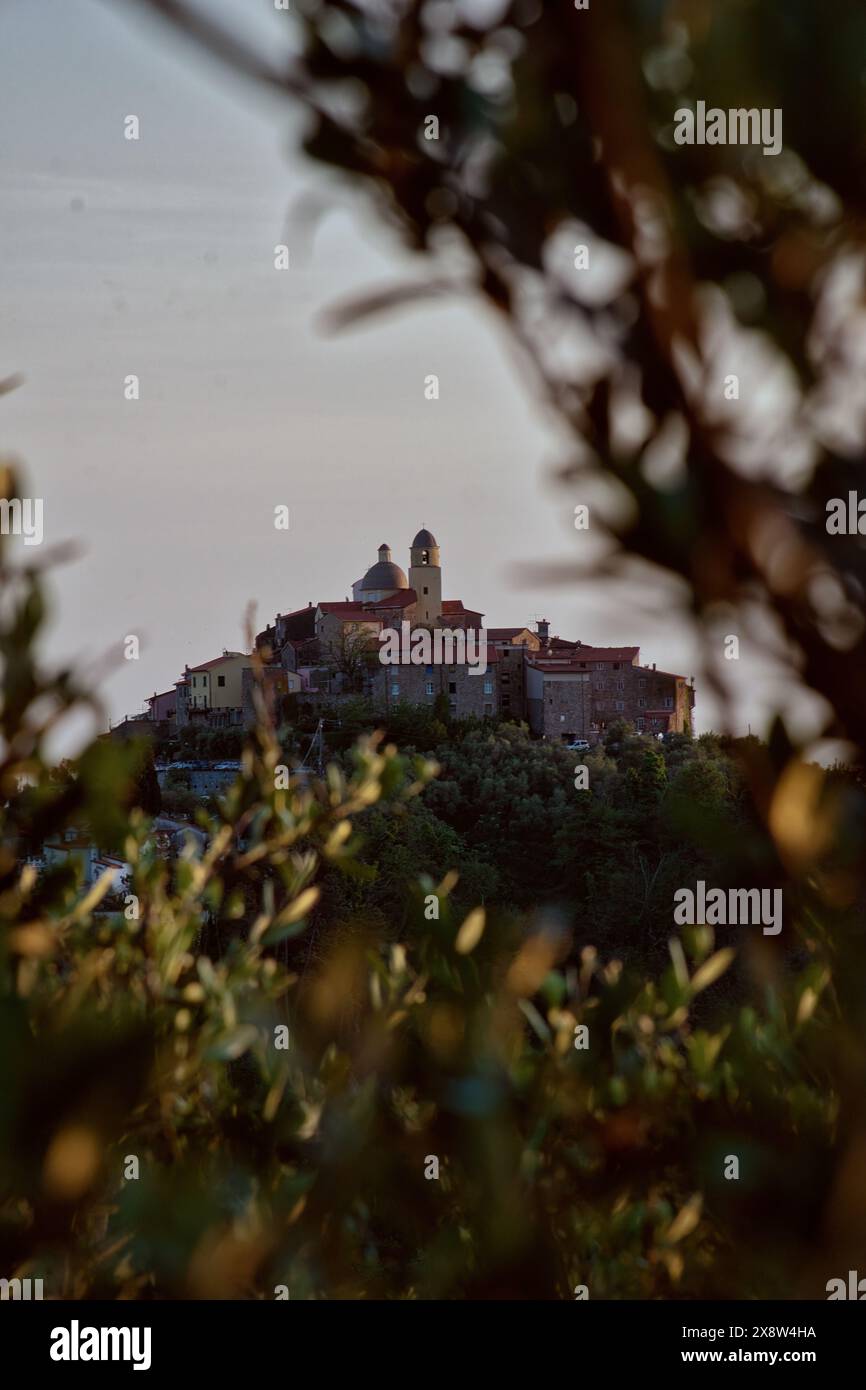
(425, 577)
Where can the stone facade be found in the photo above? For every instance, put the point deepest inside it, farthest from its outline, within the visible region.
(512, 646)
(559, 704)
(467, 693)
(618, 688)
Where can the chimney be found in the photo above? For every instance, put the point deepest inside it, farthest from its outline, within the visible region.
(543, 629)
(654, 665)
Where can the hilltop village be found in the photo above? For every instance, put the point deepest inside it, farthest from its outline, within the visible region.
(310, 663)
(330, 651)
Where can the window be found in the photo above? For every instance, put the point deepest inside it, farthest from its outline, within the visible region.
(617, 665)
(452, 687)
(428, 670)
(639, 722)
(642, 685)
(669, 702)
(641, 704)
(395, 689)
(599, 666)
(488, 709)
(582, 665)
(506, 680)
(221, 680)
(620, 704)
(488, 687)
(425, 589)
(599, 685)
(620, 685)
(429, 687)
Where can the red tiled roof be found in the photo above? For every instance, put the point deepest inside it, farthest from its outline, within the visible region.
(578, 654)
(401, 599)
(349, 610)
(503, 634)
(298, 612)
(651, 671)
(455, 605)
(217, 661)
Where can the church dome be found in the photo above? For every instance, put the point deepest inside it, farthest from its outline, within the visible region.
(424, 540)
(384, 575)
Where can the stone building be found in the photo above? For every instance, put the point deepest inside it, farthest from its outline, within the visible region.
(512, 645)
(576, 691)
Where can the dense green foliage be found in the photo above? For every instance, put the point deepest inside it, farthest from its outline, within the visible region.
(155, 1141)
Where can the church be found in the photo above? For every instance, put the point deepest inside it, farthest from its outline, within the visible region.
(333, 645)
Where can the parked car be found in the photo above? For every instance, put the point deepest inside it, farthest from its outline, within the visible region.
(580, 745)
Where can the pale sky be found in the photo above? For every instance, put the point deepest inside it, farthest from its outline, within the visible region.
(155, 257)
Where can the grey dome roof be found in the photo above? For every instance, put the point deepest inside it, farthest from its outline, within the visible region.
(424, 540)
(384, 575)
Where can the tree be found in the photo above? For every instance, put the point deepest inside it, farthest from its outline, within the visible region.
(353, 654)
(147, 792)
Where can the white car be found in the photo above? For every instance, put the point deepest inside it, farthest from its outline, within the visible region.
(580, 745)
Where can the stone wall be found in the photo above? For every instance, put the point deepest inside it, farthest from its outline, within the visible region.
(467, 694)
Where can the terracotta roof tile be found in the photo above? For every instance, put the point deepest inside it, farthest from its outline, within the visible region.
(401, 599)
(349, 610)
(217, 661)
